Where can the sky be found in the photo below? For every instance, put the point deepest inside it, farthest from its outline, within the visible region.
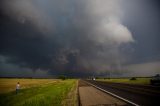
(79, 38)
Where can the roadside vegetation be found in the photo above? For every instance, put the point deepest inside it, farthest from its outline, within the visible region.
(133, 80)
(45, 92)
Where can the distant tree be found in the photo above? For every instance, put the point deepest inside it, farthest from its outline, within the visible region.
(62, 77)
(133, 78)
(97, 77)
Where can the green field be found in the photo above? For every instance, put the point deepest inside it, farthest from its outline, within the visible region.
(38, 92)
(142, 81)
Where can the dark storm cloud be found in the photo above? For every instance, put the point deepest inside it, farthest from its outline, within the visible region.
(64, 37)
(142, 18)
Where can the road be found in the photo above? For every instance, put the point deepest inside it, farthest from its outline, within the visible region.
(90, 96)
(141, 95)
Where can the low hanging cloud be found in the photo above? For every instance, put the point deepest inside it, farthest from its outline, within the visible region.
(64, 37)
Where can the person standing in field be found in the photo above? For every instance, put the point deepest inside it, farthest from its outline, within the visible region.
(17, 87)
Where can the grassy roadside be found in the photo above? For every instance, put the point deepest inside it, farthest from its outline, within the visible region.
(72, 97)
(51, 94)
(140, 81)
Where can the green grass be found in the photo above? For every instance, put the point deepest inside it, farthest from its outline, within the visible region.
(51, 94)
(141, 81)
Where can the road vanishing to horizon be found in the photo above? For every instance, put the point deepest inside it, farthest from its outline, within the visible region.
(79, 52)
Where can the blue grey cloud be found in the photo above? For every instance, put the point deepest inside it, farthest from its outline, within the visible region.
(75, 38)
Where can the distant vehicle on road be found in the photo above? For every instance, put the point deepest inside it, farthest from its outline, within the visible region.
(155, 80)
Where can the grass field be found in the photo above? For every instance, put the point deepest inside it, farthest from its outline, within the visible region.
(143, 81)
(38, 92)
(7, 85)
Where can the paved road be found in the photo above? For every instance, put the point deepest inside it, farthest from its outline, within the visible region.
(142, 95)
(90, 96)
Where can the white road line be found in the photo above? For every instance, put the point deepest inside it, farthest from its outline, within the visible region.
(113, 94)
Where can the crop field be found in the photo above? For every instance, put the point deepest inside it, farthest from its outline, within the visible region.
(7, 85)
(38, 92)
(143, 81)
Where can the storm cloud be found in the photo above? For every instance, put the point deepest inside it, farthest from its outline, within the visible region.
(72, 37)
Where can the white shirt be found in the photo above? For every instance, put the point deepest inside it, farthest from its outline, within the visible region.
(17, 86)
